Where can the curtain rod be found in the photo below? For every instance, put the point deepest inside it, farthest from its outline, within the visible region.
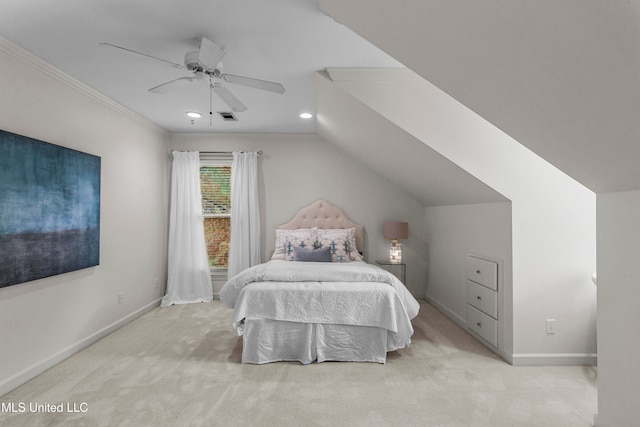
(223, 154)
(226, 152)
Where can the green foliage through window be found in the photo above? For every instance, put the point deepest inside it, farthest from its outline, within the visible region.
(215, 185)
(217, 232)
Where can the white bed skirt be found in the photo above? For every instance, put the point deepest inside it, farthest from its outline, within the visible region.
(266, 340)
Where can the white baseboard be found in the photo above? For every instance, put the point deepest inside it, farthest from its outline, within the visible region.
(38, 368)
(460, 321)
(555, 359)
(523, 359)
(447, 312)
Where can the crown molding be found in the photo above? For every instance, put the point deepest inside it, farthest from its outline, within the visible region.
(27, 58)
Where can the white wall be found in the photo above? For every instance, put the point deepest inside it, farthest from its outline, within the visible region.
(46, 320)
(618, 313)
(453, 232)
(553, 225)
(298, 169)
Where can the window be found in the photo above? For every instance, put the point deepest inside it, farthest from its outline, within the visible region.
(215, 185)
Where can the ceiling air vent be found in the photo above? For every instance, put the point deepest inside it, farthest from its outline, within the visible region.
(227, 116)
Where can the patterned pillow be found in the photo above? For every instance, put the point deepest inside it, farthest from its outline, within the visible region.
(278, 252)
(342, 243)
(305, 236)
(353, 248)
(302, 237)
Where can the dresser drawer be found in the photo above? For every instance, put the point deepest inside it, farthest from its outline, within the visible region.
(482, 298)
(482, 271)
(483, 325)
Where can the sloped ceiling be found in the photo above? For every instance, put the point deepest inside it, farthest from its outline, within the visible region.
(560, 77)
(416, 169)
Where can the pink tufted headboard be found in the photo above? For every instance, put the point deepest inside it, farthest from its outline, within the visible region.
(323, 214)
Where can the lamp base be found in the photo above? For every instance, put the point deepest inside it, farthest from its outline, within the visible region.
(395, 251)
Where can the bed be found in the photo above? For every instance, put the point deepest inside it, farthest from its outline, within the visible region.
(296, 308)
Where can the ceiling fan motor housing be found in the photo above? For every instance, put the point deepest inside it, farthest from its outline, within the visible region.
(192, 62)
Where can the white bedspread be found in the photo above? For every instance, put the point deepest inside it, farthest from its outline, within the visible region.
(354, 293)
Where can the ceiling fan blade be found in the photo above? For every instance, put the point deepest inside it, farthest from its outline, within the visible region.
(254, 83)
(210, 54)
(229, 99)
(173, 64)
(171, 85)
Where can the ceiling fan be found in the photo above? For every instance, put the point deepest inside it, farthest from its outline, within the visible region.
(205, 65)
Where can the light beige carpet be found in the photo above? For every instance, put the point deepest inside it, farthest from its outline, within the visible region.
(180, 366)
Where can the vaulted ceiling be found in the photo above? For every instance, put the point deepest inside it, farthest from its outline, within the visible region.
(560, 77)
(423, 173)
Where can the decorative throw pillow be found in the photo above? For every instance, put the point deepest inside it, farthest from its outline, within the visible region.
(282, 236)
(338, 242)
(353, 248)
(342, 242)
(302, 237)
(278, 252)
(312, 255)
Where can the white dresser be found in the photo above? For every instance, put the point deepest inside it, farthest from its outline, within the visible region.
(482, 298)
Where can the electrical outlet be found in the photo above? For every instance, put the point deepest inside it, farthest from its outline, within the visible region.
(551, 326)
(156, 284)
(120, 298)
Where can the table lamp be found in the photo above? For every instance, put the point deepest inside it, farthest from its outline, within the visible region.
(395, 231)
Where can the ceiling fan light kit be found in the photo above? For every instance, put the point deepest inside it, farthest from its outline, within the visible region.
(205, 64)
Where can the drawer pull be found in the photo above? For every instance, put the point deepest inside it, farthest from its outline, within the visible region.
(477, 271)
(479, 297)
(479, 324)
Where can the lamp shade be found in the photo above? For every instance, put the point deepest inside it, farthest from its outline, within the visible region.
(396, 230)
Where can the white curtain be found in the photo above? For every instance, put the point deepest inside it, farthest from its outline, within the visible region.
(244, 248)
(189, 279)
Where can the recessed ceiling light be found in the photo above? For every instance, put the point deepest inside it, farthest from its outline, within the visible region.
(306, 115)
(194, 114)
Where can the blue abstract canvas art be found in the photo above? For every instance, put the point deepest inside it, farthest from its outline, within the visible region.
(49, 209)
